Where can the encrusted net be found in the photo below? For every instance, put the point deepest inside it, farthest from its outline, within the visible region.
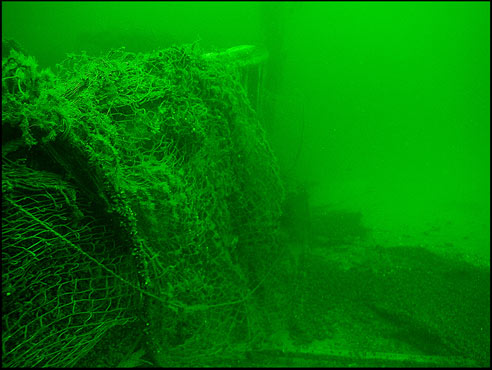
(167, 202)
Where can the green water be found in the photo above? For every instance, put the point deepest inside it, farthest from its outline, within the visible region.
(390, 102)
(375, 109)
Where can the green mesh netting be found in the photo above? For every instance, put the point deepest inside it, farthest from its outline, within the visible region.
(137, 187)
(58, 299)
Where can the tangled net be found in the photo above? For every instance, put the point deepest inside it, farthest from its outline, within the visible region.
(57, 303)
(137, 188)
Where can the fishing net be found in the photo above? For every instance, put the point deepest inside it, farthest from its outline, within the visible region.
(58, 299)
(138, 188)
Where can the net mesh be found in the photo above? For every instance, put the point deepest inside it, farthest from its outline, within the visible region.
(158, 200)
(57, 303)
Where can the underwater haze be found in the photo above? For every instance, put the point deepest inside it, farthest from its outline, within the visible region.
(379, 108)
(378, 118)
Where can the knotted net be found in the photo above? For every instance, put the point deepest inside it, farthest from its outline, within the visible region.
(139, 188)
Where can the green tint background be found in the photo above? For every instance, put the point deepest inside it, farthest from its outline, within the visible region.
(388, 102)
